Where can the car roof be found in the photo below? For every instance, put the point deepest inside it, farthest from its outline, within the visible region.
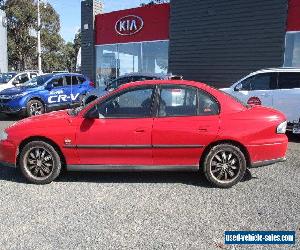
(280, 69)
(164, 82)
(144, 74)
(65, 74)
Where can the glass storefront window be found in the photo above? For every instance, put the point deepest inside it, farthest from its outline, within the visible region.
(129, 58)
(119, 59)
(155, 57)
(106, 63)
(292, 49)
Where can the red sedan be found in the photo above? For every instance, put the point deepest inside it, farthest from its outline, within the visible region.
(153, 126)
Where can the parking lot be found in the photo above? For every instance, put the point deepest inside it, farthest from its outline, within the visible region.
(147, 210)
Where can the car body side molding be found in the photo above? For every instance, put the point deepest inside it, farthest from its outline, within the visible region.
(131, 146)
(132, 168)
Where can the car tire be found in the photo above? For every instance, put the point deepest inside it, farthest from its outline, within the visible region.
(35, 107)
(224, 165)
(39, 162)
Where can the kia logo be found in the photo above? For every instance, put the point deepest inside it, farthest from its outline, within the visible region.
(129, 25)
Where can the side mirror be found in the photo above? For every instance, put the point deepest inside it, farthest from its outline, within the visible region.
(49, 86)
(92, 114)
(16, 82)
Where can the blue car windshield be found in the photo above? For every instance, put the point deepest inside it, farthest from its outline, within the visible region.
(5, 77)
(37, 81)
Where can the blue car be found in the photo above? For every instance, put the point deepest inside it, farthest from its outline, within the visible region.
(45, 93)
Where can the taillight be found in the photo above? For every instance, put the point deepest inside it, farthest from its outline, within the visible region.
(92, 84)
(254, 101)
(281, 128)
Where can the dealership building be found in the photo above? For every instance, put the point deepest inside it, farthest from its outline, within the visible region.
(213, 41)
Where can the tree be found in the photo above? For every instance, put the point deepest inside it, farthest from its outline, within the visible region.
(77, 42)
(21, 44)
(152, 2)
(22, 41)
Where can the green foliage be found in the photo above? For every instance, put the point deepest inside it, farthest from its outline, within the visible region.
(152, 2)
(22, 40)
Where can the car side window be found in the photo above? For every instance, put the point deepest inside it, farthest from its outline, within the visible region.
(263, 81)
(177, 101)
(289, 80)
(245, 85)
(33, 75)
(58, 82)
(134, 103)
(71, 80)
(23, 78)
(80, 80)
(208, 105)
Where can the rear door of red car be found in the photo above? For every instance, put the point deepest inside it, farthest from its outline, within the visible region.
(186, 121)
(122, 134)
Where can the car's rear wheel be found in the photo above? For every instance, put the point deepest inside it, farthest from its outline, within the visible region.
(35, 107)
(224, 165)
(39, 162)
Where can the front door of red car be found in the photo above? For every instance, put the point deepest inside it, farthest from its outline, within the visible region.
(121, 135)
(187, 120)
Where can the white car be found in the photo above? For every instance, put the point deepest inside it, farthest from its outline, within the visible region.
(18, 79)
(278, 88)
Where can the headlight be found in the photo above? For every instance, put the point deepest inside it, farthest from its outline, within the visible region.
(281, 128)
(3, 136)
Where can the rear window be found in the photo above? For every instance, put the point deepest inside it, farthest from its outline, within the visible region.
(289, 80)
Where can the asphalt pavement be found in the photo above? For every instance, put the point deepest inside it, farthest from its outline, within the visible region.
(147, 210)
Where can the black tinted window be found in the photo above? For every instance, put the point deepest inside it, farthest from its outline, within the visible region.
(23, 78)
(74, 80)
(262, 82)
(177, 101)
(71, 80)
(207, 104)
(58, 82)
(289, 80)
(130, 104)
(245, 84)
(80, 79)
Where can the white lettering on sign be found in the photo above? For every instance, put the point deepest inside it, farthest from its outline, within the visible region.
(129, 25)
(62, 98)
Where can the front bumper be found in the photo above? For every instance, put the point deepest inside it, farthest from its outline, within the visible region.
(11, 110)
(9, 165)
(8, 153)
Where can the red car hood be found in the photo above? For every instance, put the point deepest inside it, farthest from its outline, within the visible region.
(46, 120)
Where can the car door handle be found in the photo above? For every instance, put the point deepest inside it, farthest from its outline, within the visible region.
(202, 129)
(140, 130)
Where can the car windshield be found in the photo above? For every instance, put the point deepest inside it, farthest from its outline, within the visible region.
(5, 77)
(37, 81)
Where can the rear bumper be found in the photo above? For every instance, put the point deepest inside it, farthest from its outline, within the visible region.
(270, 153)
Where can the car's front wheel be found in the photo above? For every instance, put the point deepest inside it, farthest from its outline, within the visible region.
(224, 165)
(35, 107)
(39, 162)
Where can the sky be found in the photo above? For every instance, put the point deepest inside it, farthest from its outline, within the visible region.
(69, 11)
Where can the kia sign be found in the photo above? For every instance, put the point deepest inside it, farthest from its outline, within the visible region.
(129, 25)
